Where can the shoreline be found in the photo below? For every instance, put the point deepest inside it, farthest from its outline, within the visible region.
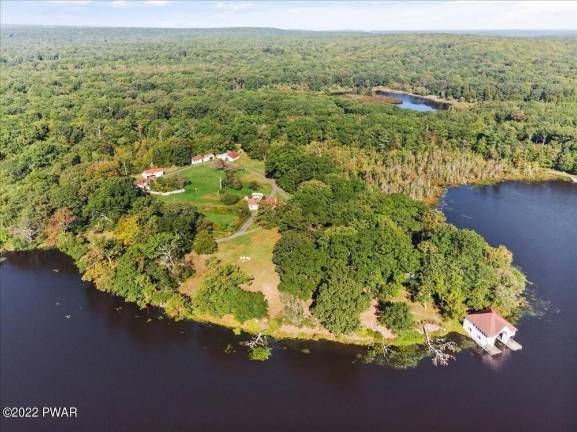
(432, 98)
(378, 99)
(365, 336)
(544, 175)
(255, 327)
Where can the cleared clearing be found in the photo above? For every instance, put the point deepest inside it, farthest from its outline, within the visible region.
(203, 192)
(253, 254)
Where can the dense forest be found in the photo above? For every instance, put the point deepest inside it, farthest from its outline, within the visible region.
(83, 110)
(343, 246)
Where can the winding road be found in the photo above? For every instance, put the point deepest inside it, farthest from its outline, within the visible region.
(247, 224)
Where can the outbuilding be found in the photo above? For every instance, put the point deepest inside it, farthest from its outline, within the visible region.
(153, 173)
(487, 327)
(208, 157)
(257, 196)
(271, 201)
(141, 183)
(229, 156)
(252, 204)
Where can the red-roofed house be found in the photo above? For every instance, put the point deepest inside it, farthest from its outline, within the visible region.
(252, 204)
(229, 156)
(153, 173)
(141, 183)
(487, 327)
(195, 160)
(271, 201)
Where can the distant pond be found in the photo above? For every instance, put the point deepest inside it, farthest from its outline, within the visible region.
(414, 103)
(63, 343)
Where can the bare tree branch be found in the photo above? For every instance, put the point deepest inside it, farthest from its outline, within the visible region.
(441, 350)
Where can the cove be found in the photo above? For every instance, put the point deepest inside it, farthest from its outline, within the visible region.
(62, 343)
(414, 103)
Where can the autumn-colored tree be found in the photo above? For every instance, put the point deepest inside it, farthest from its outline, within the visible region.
(127, 230)
(59, 222)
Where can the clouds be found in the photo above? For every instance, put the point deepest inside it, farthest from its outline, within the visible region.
(307, 15)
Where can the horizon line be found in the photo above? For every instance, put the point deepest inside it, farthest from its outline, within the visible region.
(571, 30)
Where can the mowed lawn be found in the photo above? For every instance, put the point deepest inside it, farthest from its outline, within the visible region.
(203, 192)
(203, 189)
(253, 164)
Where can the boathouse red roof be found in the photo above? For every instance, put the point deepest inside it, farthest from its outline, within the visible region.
(490, 322)
(233, 154)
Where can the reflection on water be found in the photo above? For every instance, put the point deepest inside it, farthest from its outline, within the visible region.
(415, 103)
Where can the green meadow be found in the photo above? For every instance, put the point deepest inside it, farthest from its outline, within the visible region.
(204, 192)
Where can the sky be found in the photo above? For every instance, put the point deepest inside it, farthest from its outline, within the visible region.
(305, 15)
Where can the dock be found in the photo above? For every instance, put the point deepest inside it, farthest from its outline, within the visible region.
(512, 344)
(491, 349)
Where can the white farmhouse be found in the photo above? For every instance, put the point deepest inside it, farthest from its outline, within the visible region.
(252, 204)
(207, 157)
(229, 156)
(153, 173)
(257, 196)
(195, 160)
(485, 328)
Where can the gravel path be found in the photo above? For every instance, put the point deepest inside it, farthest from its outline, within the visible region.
(247, 224)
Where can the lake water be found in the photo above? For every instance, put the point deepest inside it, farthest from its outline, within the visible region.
(414, 103)
(126, 370)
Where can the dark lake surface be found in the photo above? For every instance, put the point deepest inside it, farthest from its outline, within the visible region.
(414, 103)
(126, 373)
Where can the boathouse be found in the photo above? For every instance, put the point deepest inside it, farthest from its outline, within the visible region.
(488, 327)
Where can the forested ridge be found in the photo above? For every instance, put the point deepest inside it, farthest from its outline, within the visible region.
(83, 110)
(455, 66)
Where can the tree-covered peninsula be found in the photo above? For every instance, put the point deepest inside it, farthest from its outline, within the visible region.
(347, 247)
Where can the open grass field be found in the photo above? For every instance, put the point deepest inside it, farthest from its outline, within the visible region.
(203, 192)
(251, 163)
(221, 219)
(205, 184)
(420, 313)
(253, 254)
